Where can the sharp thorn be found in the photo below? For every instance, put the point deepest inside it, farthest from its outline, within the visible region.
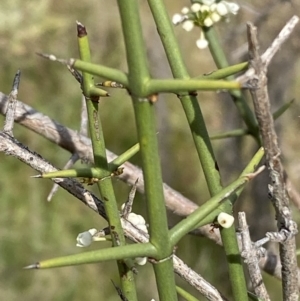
(37, 176)
(32, 266)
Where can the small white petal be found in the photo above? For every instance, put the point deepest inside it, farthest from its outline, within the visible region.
(140, 260)
(188, 25)
(204, 8)
(208, 2)
(177, 19)
(222, 9)
(196, 7)
(225, 220)
(202, 43)
(215, 17)
(213, 7)
(84, 239)
(122, 207)
(232, 7)
(208, 22)
(185, 10)
(93, 231)
(101, 238)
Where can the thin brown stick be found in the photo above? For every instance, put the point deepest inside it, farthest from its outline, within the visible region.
(249, 254)
(12, 98)
(286, 226)
(271, 51)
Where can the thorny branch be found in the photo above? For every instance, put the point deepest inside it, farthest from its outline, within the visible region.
(250, 257)
(75, 143)
(10, 146)
(279, 196)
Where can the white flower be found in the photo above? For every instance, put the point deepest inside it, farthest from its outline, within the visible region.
(222, 9)
(213, 7)
(232, 7)
(215, 17)
(140, 260)
(188, 25)
(185, 10)
(177, 19)
(196, 7)
(84, 239)
(225, 220)
(208, 2)
(204, 8)
(202, 42)
(208, 22)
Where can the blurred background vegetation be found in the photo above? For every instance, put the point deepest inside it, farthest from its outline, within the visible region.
(32, 229)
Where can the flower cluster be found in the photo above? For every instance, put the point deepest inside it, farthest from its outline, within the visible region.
(204, 14)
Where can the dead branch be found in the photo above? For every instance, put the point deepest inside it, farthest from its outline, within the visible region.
(286, 226)
(251, 259)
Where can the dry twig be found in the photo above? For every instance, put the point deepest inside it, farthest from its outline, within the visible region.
(286, 226)
(249, 254)
(12, 102)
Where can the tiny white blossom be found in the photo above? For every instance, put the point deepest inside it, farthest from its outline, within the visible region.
(208, 22)
(185, 10)
(208, 2)
(225, 220)
(204, 8)
(196, 7)
(232, 7)
(202, 42)
(215, 17)
(140, 260)
(188, 25)
(213, 7)
(84, 239)
(177, 19)
(222, 9)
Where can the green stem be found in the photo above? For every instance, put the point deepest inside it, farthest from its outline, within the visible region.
(145, 121)
(190, 223)
(114, 164)
(99, 151)
(135, 46)
(193, 113)
(102, 71)
(236, 272)
(230, 134)
(115, 253)
(225, 72)
(186, 295)
(184, 85)
(189, 103)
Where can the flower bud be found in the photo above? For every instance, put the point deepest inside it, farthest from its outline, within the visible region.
(84, 239)
(225, 220)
